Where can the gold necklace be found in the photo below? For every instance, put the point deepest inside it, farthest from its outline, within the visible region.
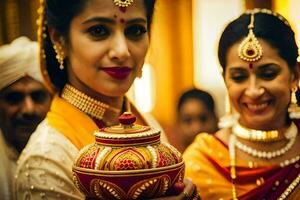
(290, 134)
(232, 155)
(260, 136)
(255, 135)
(231, 146)
(85, 103)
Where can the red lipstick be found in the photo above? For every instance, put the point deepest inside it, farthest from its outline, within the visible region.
(117, 72)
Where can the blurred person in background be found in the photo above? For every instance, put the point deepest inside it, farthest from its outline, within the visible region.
(24, 102)
(195, 114)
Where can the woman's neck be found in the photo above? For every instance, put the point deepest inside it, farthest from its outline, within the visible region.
(279, 125)
(78, 96)
(116, 102)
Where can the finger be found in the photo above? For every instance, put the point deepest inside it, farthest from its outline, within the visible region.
(189, 189)
(178, 188)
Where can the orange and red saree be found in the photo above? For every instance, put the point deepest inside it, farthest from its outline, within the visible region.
(208, 165)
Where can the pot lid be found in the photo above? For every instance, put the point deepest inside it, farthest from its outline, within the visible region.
(127, 129)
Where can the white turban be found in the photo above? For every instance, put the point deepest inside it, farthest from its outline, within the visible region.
(19, 59)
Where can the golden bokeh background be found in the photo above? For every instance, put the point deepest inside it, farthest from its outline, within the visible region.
(179, 26)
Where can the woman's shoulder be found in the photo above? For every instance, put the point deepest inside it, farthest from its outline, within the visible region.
(47, 135)
(46, 142)
(206, 140)
(206, 145)
(45, 165)
(223, 135)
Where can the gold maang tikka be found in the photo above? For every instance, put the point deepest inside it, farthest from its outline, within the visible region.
(250, 49)
(123, 3)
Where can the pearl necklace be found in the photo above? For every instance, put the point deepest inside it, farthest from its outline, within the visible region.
(290, 134)
(265, 154)
(232, 155)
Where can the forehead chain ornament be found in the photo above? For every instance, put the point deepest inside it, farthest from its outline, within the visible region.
(123, 3)
(250, 49)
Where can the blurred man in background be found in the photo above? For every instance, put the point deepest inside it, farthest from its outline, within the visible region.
(24, 102)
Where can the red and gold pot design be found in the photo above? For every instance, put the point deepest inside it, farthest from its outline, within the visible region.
(127, 161)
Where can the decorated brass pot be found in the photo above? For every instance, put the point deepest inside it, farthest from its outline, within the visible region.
(127, 161)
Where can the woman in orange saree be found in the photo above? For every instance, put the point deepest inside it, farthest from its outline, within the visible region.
(91, 51)
(258, 156)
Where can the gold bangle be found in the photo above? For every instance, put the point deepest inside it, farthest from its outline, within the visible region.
(186, 195)
(197, 197)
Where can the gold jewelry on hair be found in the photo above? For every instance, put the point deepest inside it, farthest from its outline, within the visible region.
(40, 21)
(261, 136)
(250, 49)
(123, 3)
(41, 35)
(60, 55)
(294, 109)
(86, 104)
(269, 12)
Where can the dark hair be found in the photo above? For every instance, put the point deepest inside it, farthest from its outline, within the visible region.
(197, 94)
(59, 14)
(266, 26)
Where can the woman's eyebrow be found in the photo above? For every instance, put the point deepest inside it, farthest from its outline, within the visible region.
(99, 19)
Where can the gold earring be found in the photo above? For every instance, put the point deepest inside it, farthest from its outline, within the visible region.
(294, 109)
(230, 118)
(60, 56)
(140, 73)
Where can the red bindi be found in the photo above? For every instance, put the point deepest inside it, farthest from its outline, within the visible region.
(123, 9)
(122, 20)
(251, 66)
(115, 16)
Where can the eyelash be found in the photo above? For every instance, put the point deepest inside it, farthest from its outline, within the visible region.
(98, 31)
(239, 77)
(133, 32)
(266, 75)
